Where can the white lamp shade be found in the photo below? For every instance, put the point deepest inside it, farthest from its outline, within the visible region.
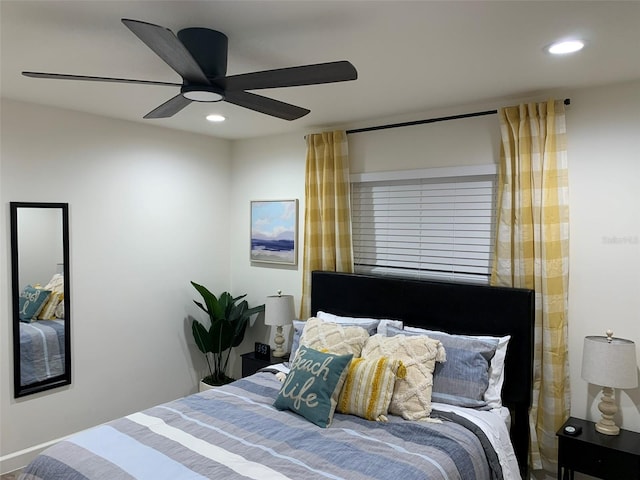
(279, 310)
(609, 362)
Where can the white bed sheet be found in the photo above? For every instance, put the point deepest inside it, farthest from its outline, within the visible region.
(494, 423)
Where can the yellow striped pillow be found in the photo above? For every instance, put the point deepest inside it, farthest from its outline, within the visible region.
(368, 389)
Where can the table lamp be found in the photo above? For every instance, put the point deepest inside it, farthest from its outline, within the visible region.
(279, 311)
(611, 363)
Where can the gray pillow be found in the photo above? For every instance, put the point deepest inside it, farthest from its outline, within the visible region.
(463, 379)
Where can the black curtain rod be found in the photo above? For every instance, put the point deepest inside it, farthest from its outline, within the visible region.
(567, 101)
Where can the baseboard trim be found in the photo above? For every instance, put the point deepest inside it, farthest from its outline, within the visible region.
(17, 460)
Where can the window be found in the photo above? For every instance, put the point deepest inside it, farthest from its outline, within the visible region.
(436, 223)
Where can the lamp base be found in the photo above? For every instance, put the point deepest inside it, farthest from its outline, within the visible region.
(606, 425)
(279, 341)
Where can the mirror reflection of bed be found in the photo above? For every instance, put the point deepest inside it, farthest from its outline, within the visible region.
(40, 295)
(42, 325)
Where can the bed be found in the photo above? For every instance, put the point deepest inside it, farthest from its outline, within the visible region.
(41, 351)
(235, 431)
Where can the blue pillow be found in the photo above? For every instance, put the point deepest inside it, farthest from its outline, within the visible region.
(463, 379)
(31, 302)
(313, 385)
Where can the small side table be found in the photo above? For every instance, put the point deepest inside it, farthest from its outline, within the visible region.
(610, 457)
(251, 364)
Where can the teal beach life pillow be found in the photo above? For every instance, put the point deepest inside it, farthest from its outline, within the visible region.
(31, 302)
(313, 385)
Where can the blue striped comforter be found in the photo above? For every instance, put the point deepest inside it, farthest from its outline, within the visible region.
(41, 350)
(233, 432)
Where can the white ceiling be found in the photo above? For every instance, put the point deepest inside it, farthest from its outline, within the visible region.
(411, 56)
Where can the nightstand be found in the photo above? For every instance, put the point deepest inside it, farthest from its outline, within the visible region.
(251, 364)
(610, 457)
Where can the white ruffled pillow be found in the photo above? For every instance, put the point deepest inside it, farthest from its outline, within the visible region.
(411, 395)
(334, 338)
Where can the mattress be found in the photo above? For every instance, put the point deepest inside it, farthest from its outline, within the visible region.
(234, 432)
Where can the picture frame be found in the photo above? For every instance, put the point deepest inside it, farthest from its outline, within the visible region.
(274, 231)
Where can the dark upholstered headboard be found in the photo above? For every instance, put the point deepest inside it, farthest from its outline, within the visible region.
(450, 307)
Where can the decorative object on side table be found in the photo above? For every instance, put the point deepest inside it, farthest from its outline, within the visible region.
(228, 323)
(262, 351)
(279, 311)
(611, 363)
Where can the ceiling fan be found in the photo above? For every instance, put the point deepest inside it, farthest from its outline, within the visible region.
(199, 56)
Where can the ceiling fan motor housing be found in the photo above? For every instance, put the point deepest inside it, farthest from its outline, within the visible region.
(208, 48)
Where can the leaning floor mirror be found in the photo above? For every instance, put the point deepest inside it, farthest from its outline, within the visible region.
(40, 281)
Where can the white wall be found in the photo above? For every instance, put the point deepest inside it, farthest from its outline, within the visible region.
(604, 174)
(145, 206)
(269, 168)
(467, 141)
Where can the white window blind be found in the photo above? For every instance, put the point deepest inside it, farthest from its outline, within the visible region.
(439, 228)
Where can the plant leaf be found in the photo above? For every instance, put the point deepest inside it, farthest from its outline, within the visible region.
(201, 337)
(201, 306)
(229, 322)
(221, 334)
(211, 301)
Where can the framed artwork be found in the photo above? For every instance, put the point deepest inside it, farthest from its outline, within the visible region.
(274, 231)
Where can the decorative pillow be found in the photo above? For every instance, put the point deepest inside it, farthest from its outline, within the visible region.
(493, 394)
(313, 385)
(368, 389)
(371, 324)
(380, 323)
(411, 396)
(56, 286)
(385, 324)
(464, 378)
(60, 309)
(31, 302)
(298, 327)
(338, 339)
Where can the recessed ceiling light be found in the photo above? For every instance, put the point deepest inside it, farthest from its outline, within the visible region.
(215, 118)
(565, 46)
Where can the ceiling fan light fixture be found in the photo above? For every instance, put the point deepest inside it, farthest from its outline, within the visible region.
(565, 46)
(201, 94)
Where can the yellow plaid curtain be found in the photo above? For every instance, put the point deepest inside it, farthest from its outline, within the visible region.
(532, 249)
(327, 216)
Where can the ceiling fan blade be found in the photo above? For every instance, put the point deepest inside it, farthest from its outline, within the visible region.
(291, 77)
(269, 106)
(64, 76)
(169, 108)
(169, 48)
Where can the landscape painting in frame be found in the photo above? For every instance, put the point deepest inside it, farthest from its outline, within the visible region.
(274, 225)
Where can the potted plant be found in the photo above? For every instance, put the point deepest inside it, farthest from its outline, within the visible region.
(228, 323)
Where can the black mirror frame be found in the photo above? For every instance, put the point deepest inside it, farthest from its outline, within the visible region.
(65, 378)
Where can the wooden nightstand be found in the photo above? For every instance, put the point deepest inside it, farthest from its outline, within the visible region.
(251, 364)
(610, 457)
